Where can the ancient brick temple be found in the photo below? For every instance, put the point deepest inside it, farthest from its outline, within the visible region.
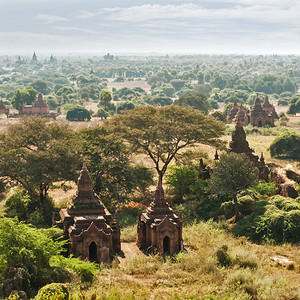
(159, 228)
(38, 107)
(93, 233)
(258, 115)
(233, 112)
(239, 144)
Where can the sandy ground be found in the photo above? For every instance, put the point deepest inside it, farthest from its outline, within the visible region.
(130, 250)
(129, 84)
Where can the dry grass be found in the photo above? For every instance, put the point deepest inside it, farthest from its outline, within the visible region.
(196, 273)
(129, 84)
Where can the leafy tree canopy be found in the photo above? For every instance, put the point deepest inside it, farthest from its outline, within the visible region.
(26, 96)
(232, 174)
(78, 114)
(161, 133)
(196, 100)
(36, 152)
(108, 160)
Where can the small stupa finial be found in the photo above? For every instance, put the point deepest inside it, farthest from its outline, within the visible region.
(216, 155)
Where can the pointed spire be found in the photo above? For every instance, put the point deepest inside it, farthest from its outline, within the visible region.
(235, 103)
(216, 155)
(159, 193)
(257, 101)
(85, 183)
(262, 159)
(34, 58)
(238, 124)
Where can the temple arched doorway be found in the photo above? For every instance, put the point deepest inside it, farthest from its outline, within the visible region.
(93, 252)
(166, 245)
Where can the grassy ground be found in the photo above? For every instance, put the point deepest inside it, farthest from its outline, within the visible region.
(197, 272)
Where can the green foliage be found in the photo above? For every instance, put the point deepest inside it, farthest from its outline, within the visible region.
(162, 132)
(223, 257)
(23, 246)
(102, 113)
(266, 188)
(184, 183)
(196, 100)
(268, 83)
(287, 144)
(78, 114)
(277, 220)
(219, 116)
(26, 96)
(17, 205)
(108, 161)
(84, 269)
(105, 98)
(232, 174)
(65, 90)
(125, 106)
(40, 86)
(294, 108)
(161, 100)
(53, 291)
(36, 152)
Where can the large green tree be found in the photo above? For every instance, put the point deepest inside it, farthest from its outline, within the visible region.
(108, 160)
(232, 174)
(105, 98)
(36, 152)
(162, 133)
(26, 96)
(196, 100)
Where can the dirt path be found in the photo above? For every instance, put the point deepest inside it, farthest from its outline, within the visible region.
(130, 250)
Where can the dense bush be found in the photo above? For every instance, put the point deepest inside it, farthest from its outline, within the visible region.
(277, 220)
(53, 291)
(287, 144)
(78, 114)
(29, 249)
(27, 209)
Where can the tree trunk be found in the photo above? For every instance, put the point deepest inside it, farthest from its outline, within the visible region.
(236, 207)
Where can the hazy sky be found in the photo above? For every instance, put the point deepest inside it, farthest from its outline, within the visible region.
(165, 26)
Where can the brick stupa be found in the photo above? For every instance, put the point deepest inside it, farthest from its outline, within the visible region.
(159, 228)
(93, 233)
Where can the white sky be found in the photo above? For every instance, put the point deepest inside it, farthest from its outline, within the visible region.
(165, 26)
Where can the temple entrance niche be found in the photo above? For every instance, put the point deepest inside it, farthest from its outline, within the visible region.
(166, 245)
(259, 123)
(93, 252)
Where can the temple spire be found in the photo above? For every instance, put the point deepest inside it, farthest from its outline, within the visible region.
(85, 183)
(216, 155)
(235, 103)
(159, 193)
(257, 101)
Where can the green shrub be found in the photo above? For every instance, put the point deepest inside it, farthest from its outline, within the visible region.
(223, 257)
(27, 248)
(287, 144)
(16, 205)
(266, 188)
(78, 114)
(276, 220)
(53, 291)
(84, 269)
